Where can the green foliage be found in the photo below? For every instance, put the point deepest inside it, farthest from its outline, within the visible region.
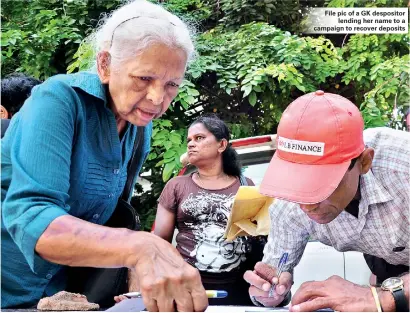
(169, 144)
(391, 92)
(83, 59)
(363, 52)
(377, 68)
(366, 3)
(190, 10)
(251, 65)
(40, 37)
(260, 69)
(187, 95)
(238, 12)
(284, 14)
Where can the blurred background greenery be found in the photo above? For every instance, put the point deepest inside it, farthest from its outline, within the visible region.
(253, 61)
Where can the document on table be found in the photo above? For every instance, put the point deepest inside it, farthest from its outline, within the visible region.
(137, 305)
(243, 309)
(128, 305)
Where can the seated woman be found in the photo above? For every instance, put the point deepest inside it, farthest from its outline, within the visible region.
(198, 205)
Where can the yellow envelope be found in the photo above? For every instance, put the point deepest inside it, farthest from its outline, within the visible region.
(249, 215)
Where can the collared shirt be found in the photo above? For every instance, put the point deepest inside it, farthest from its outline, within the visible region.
(61, 155)
(382, 226)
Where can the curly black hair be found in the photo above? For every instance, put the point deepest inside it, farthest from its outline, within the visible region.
(15, 89)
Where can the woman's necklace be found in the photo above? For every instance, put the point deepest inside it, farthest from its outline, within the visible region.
(202, 183)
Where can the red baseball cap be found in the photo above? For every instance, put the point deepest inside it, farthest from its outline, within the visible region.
(318, 136)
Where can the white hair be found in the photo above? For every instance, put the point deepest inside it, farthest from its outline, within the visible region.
(135, 26)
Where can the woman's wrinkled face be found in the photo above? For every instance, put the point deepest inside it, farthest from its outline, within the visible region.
(203, 145)
(143, 88)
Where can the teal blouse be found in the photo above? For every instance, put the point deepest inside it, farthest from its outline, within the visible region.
(61, 155)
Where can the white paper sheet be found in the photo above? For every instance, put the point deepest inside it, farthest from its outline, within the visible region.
(128, 305)
(242, 309)
(137, 305)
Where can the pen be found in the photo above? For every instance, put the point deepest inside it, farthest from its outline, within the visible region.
(209, 294)
(282, 262)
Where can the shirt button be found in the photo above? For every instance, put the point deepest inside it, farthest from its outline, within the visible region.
(49, 276)
(116, 171)
(110, 195)
(95, 216)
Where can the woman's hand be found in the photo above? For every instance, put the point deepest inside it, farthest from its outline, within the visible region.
(166, 281)
(132, 286)
(119, 298)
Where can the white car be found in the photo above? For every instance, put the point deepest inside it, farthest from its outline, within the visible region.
(319, 261)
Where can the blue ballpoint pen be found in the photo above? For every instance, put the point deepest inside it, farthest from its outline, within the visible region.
(209, 293)
(282, 262)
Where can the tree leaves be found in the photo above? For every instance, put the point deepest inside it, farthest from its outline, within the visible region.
(252, 98)
(168, 170)
(50, 28)
(374, 65)
(249, 66)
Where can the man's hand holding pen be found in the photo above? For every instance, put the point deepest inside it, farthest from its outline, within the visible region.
(261, 280)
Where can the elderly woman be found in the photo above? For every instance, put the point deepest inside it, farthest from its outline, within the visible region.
(64, 166)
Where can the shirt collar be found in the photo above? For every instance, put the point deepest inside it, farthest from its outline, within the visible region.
(91, 84)
(371, 192)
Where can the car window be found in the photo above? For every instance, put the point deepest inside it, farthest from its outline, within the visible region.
(255, 172)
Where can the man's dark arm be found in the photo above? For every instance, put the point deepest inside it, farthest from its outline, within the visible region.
(386, 297)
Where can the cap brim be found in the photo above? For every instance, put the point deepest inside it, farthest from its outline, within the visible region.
(301, 183)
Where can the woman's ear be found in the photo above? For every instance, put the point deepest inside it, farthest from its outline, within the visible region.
(3, 112)
(366, 160)
(103, 66)
(223, 144)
